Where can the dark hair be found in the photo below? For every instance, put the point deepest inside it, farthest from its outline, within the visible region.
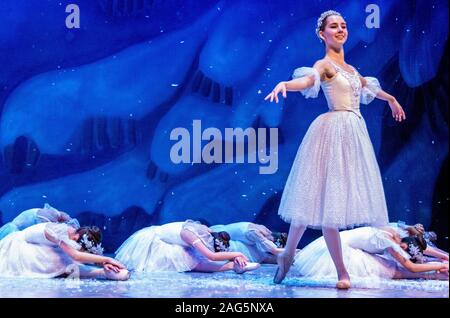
(280, 239)
(221, 241)
(93, 234)
(416, 246)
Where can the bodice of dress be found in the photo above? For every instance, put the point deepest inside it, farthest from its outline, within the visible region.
(35, 234)
(343, 91)
(372, 240)
(170, 233)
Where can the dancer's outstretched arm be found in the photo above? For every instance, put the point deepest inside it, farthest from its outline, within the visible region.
(88, 258)
(397, 111)
(193, 240)
(432, 251)
(82, 257)
(417, 268)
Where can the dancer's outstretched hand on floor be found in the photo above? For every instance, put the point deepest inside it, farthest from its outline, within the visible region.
(111, 267)
(115, 262)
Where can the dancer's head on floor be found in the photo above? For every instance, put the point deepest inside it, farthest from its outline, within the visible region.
(280, 239)
(90, 238)
(332, 29)
(221, 241)
(414, 246)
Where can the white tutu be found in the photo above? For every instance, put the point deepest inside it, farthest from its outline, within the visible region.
(314, 261)
(19, 257)
(149, 250)
(364, 252)
(335, 180)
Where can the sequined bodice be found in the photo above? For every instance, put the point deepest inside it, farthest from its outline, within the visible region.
(343, 91)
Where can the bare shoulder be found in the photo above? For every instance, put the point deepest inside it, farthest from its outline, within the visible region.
(323, 66)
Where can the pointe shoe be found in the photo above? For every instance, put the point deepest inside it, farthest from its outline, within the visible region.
(123, 274)
(246, 268)
(284, 263)
(343, 284)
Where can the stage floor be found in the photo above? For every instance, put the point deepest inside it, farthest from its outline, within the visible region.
(256, 284)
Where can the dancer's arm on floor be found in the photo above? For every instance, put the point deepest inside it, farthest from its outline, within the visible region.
(432, 251)
(417, 268)
(88, 258)
(83, 257)
(195, 242)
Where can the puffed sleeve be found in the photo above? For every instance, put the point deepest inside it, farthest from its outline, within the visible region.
(47, 214)
(370, 90)
(381, 241)
(201, 231)
(58, 231)
(262, 243)
(313, 91)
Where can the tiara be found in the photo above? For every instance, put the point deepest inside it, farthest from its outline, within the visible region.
(322, 18)
(90, 246)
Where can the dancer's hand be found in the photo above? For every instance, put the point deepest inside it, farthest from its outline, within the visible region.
(114, 262)
(240, 261)
(111, 268)
(444, 268)
(281, 87)
(397, 111)
(241, 256)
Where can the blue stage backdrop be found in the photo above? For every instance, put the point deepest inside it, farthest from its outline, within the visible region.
(86, 112)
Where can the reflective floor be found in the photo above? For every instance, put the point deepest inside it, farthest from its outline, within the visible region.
(193, 285)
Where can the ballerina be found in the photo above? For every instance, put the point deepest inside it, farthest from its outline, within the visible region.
(370, 252)
(255, 241)
(181, 247)
(49, 250)
(335, 182)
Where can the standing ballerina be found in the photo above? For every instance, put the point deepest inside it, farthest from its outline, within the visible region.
(335, 181)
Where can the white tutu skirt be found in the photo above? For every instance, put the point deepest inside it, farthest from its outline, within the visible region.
(20, 258)
(144, 251)
(335, 180)
(315, 261)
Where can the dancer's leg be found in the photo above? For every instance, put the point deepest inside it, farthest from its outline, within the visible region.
(285, 259)
(211, 267)
(333, 240)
